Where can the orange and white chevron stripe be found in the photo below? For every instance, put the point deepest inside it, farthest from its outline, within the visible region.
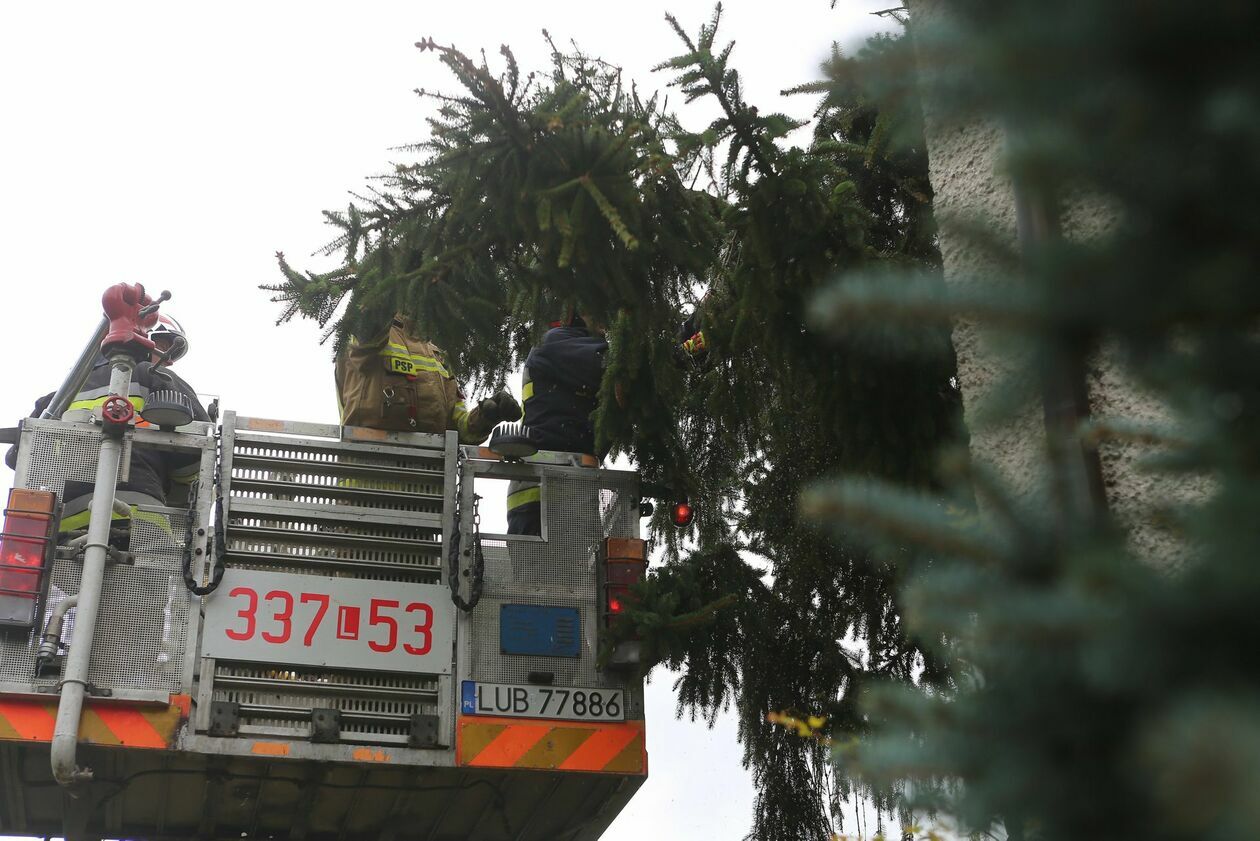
(119, 725)
(610, 748)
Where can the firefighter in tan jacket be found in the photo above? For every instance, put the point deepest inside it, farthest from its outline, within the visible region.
(400, 383)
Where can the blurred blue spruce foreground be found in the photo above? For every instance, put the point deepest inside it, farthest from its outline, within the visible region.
(974, 435)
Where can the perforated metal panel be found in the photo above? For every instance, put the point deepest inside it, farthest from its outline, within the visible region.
(147, 618)
(581, 508)
(145, 614)
(490, 665)
(52, 452)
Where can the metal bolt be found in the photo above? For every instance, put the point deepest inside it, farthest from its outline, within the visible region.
(201, 532)
(200, 551)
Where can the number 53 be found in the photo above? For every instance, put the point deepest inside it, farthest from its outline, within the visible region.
(423, 630)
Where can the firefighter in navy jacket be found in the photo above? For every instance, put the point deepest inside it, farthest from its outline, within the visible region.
(560, 391)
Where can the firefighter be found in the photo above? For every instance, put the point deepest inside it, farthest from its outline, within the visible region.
(399, 382)
(154, 474)
(560, 391)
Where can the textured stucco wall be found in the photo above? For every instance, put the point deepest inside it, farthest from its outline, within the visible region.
(971, 191)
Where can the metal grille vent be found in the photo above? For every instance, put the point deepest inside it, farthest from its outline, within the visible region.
(305, 543)
(311, 473)
(376, 708)
(307, 505)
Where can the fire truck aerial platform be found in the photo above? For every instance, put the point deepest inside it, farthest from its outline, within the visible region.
(317, 642)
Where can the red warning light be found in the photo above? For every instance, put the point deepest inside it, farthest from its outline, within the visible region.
(625, 561)
(683, 514)
(25, 555)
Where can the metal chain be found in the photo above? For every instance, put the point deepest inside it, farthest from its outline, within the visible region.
(479, 562)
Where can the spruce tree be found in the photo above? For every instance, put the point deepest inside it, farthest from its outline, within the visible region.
(567, 188)
(1098, 693)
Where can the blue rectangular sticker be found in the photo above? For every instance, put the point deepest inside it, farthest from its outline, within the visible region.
(468, 698)
(540, 631)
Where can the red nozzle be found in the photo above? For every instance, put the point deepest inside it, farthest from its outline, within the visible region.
(128, 326)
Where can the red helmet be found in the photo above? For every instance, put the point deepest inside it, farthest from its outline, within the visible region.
(169, 335)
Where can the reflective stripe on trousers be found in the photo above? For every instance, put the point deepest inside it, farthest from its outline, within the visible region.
(524, 507)
(77, 512)
(522, 493)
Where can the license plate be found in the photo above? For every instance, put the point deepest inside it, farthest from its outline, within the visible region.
(528, 701)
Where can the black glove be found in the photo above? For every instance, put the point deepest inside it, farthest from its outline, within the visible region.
(509, 409)
(500, 407)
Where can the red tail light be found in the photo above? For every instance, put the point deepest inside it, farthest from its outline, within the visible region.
(617, 599)
(625, 560)
(25, 550)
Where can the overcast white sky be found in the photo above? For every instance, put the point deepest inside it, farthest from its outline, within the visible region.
(181, 145)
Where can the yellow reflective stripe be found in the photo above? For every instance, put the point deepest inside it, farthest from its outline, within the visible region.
(81, 520)
(160, 520)
(97, 402)
(524, 497)
(528, 391)
(460, 414)
(402, 361)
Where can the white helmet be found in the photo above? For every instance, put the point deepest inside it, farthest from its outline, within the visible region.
(169, 335)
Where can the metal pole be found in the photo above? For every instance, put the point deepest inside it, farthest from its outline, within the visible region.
(78, 374)
(74, 683)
